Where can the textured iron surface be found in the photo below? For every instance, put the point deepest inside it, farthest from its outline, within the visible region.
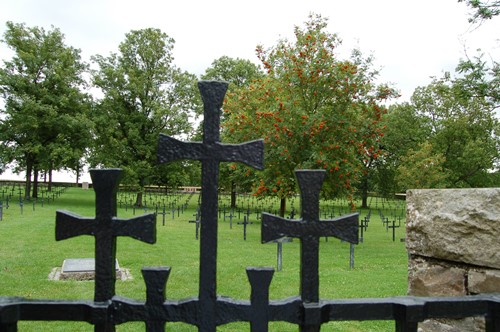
(105, 227)
(309, 229)
(210, 152)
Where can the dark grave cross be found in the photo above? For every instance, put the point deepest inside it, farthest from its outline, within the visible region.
(230, 216)
(362, 228)
(197, 221)
(247, 213)
(394, 226)
(309, 229)
(105, 227)
(210, 152)
(245, 223)
(158, 211)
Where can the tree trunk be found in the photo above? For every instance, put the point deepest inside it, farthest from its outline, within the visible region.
(364, 193)
(35, 182)
(233, 194)
(27, 186)
(138, 199)
(365, 184)
(77, 174)
(49, 187)
(282, 207)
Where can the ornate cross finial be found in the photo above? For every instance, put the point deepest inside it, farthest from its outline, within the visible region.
(210, 152)
(309, 229)
(105, 227)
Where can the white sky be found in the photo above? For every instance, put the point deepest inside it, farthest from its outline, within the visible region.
(411, 40)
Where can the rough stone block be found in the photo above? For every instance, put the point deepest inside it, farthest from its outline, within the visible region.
(471, 324)
(427, 278)
(484, 281)
(461, 225)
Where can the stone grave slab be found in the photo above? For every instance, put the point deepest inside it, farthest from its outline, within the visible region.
(83, 269)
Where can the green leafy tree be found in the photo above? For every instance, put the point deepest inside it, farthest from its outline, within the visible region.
(422, 168)
(405, 129)
(448, 124)
(464, 130)
(144, 95)
(237, 72)
(479, 79)
(482, 10)
(313, 110)
(45, 122)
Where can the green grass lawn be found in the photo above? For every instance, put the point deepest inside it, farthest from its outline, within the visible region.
(29, 252)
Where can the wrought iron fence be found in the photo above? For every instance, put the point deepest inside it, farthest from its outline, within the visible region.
(207, 310)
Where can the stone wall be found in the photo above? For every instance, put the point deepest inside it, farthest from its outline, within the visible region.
(453, 242)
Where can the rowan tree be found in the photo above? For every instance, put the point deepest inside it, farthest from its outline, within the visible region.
(313, 110)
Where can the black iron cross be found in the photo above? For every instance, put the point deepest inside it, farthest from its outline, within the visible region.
(309, 229)
(105, 227)
(210, 152)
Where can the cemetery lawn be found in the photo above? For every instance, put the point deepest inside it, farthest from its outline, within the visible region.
(29, 252)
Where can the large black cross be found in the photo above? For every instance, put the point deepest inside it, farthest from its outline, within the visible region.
(105, 227)
(309, 229)
(210, 152)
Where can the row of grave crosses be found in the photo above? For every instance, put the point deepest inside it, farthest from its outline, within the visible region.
(207, 311)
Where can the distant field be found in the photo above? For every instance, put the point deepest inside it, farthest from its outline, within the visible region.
(29, 252)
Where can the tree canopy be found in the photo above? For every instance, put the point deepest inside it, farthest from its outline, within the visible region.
(144, 95)
(313, 110)
(482, 10)
(45, 122)
(449, 131)
(237, 72)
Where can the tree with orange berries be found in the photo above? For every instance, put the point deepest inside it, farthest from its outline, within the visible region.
(313, 110)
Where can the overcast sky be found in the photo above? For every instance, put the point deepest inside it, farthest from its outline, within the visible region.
(411, 40)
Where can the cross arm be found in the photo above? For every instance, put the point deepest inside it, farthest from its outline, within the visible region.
(250, 153)
(142, 228)
(344, 228)
(170, 149)
(273, 228)
(70, 224)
